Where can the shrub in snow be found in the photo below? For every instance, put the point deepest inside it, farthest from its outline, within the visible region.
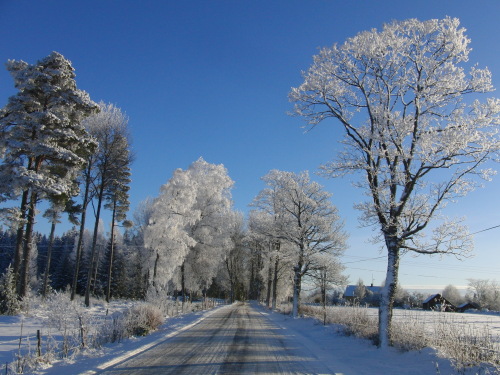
(142, 319)
(70, 320)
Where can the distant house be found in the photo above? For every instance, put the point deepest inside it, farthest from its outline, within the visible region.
(438, 303)
(373, 292)
(467, 306)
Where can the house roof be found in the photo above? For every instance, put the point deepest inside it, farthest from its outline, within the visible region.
(472, 304)
(431, 297)
(350, 289)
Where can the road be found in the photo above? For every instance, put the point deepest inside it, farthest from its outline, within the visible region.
(235, 339)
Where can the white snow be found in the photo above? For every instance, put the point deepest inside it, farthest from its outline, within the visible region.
(346, 355)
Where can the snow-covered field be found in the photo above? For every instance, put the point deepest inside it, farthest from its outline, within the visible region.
(480, 320)
(349, 355)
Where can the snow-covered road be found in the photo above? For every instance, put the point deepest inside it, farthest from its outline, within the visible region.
(235, 339)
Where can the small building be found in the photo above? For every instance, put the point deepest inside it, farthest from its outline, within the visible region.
(372, 291)
(437, 302)
(467, 306)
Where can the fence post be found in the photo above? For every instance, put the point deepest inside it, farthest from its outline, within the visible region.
(39, 343)
(82, 331)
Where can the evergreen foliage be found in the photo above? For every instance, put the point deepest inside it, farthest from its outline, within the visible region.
(9, 303)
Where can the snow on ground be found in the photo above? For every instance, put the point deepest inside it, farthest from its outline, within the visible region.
(480, 319)
(348, 355)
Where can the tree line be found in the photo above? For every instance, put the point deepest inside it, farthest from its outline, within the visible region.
(412, 139)
(61, 147)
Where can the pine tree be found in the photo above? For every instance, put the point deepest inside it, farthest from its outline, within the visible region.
(9, 303)
(43, 144)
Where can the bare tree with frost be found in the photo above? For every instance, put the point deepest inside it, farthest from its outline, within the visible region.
(43, 144)
(398, 94)
(306, 219)
(112, 167)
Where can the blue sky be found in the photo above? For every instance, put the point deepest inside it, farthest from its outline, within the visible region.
(211, 78)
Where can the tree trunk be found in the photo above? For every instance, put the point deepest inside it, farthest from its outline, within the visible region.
(183, 286)
(269, 284)
(231, 281)
(82, 231)
(323, 282)
(20, 242)
(387, 295)
(94, 245)
(297, 280)
(28, 246)
(111, 252)
(49, 258)
(155, 270)
(275, 281)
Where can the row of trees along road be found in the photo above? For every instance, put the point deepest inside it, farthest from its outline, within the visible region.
(195, 236)
(399, 96)
(55, 139)
(57, 145)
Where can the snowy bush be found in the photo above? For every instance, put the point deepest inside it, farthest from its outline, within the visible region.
(114, 329)
(353, 320)
(143, 319)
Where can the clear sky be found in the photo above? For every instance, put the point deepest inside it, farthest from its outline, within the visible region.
(210, 78)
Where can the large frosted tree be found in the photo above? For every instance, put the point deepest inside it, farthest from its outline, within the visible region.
(399, 96)
(43, 144)
(165, 234)
(187, 225)
(305, 218)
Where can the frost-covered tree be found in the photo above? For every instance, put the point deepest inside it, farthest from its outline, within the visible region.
(360, 290)
(187, 228)
(306, 219)
(236, 258)
(452, 294)
(86, 180)
(212, 232)
(116, 197)
(140, 254)
(399, 94)
(112, 165)
(166, 233)
(327, 275)
(484, 292)
(43, 145)
(9, 303)
(263, 223)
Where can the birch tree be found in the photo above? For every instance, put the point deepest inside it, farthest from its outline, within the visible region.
(399, 97)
